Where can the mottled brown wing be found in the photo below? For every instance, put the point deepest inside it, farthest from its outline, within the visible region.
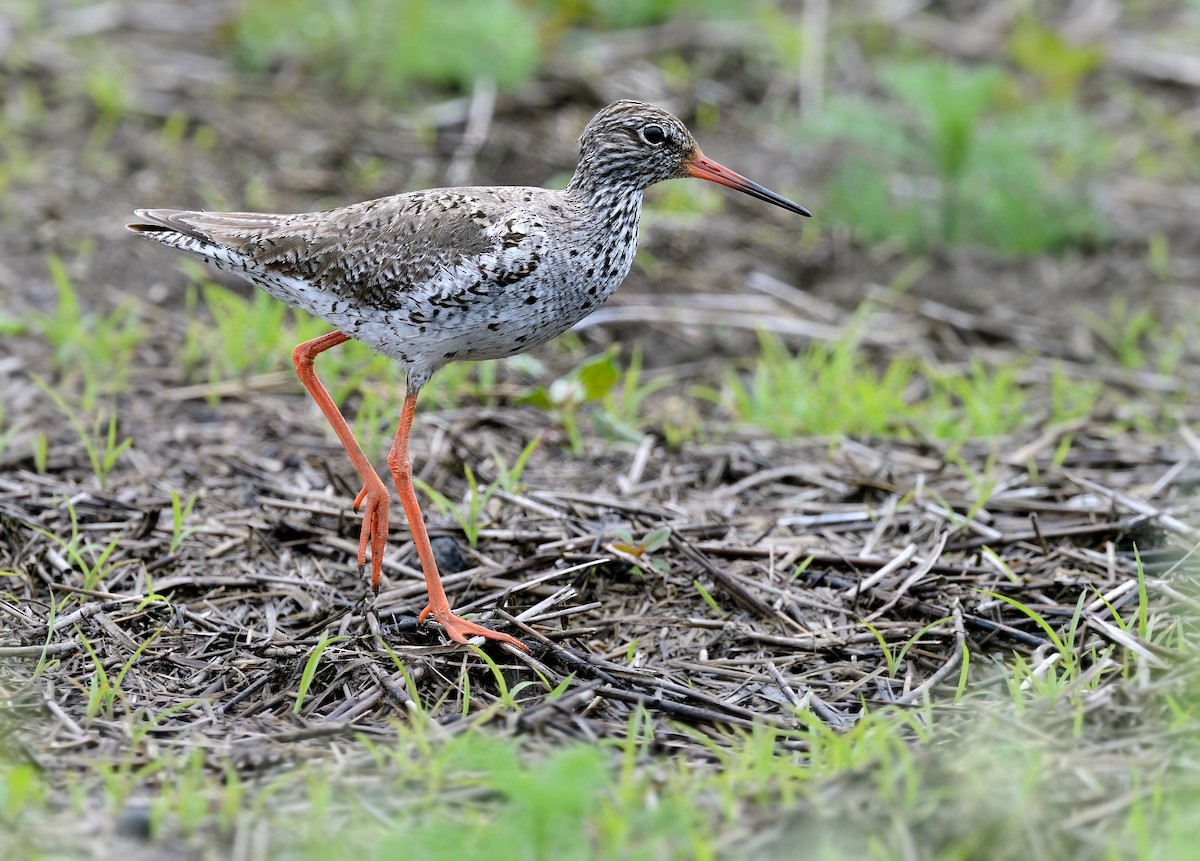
(374, 253)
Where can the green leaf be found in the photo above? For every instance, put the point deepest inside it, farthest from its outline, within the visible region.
(538, 398)
(1056, 63)
(656, 539)
(599, 375)
(310, 668)
(707, 596)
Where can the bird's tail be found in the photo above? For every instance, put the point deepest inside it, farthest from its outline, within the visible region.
(219, 238)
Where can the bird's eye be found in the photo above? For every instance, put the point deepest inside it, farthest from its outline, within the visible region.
(653, 134)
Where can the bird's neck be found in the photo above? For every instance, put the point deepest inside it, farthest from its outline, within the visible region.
(609, 202)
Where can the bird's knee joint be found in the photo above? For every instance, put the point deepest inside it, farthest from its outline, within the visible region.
(400, 466)
(301, 358)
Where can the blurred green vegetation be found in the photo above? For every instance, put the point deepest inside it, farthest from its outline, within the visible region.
(961, 156)
(944, 154)
(386, 46)
(389, 47)
(835, 389)
(625, 14)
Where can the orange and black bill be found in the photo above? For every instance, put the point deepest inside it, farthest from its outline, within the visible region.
(703, 167)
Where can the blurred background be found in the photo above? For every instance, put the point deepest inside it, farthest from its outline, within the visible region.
(987, 175)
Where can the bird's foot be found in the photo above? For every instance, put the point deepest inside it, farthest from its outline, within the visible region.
(459, 629)
(372, 501)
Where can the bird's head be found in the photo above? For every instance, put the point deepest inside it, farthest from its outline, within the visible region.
(636, 144)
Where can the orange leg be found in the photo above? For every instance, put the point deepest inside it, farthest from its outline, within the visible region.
(373, 498)
(457, 628)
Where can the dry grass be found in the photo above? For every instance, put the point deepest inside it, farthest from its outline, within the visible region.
(828, 576)
(804, 588)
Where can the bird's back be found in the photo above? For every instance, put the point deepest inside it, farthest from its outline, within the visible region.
(426, 276)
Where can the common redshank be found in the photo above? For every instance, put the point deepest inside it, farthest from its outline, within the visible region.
(428, 277)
